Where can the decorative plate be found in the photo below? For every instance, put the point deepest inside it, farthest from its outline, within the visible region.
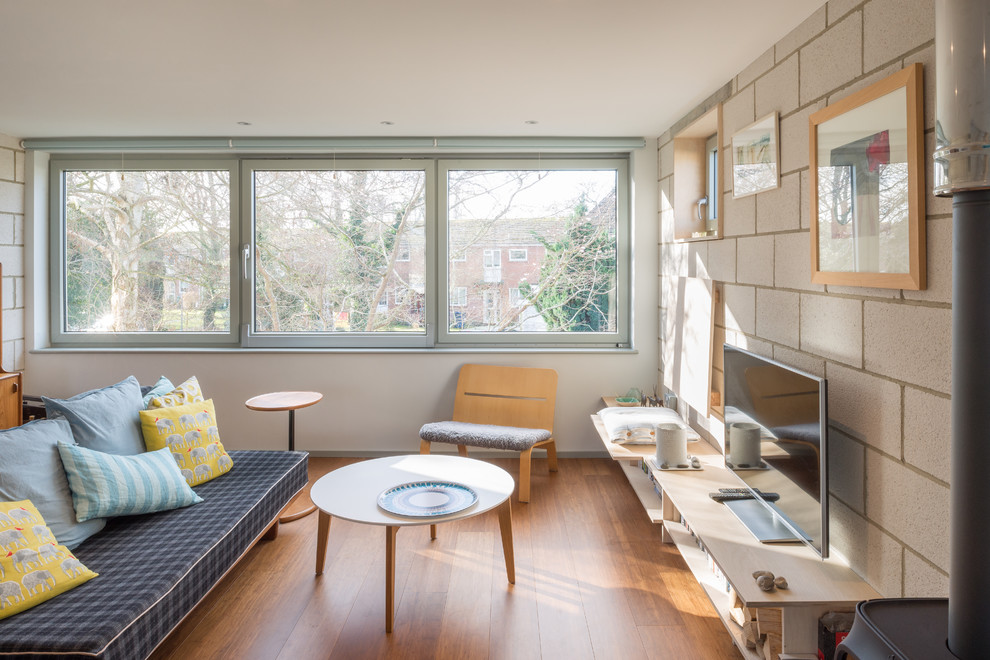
(425, 499)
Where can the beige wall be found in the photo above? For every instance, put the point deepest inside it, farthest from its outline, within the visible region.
(374, 402)
(886, 353)
(12, 250)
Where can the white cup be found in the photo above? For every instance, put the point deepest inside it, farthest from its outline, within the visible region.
(671, 444)
(744, 444)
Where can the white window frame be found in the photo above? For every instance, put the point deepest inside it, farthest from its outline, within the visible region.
(621, 338)
(58, 166)
(459, 296)
(525, 254)
(436, 295)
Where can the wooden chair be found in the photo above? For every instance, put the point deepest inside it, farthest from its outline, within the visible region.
(501, 408)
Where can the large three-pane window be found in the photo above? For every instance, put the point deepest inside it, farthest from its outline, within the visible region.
(341, 252)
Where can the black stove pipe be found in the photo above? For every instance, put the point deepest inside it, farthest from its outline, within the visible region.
(969, 577)
(962, 170)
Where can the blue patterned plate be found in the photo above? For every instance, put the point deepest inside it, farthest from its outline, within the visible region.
(427, 498)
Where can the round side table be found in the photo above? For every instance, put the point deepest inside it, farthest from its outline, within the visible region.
(291, 401)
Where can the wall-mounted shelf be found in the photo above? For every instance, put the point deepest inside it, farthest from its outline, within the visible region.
(698, 161)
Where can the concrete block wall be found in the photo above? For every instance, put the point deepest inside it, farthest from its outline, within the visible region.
(12, 251)
(886, 353)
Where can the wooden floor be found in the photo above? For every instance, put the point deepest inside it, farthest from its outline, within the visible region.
(592, 581)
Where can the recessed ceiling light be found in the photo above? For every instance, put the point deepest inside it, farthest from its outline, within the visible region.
(387, 123)
(532, 121)
(243, 123)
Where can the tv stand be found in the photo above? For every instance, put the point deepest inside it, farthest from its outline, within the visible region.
(705, 532)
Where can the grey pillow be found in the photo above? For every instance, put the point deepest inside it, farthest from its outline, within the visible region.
(32, 470)
(106, 419)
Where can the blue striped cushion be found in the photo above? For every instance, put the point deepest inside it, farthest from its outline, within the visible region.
(105, 485)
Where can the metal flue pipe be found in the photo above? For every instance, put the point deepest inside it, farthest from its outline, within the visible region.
(962, 170)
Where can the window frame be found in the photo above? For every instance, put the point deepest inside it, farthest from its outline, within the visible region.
(252, 339)
(60, 337)
(436, 294)
(621, 338)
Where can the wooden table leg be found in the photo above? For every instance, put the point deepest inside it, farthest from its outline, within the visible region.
(390, 533)
(505, 525)
(321, 541)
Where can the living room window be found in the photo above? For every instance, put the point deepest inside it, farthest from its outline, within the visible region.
(294, 252)
(142, 253)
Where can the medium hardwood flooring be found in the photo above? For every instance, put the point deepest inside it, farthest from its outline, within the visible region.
(593, 580)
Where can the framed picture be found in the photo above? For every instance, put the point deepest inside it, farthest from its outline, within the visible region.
(755, 154)
(867, 186)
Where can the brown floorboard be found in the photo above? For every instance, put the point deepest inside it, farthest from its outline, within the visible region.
(592, 581)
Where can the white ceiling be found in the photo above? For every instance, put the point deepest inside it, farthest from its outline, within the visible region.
(341, 67)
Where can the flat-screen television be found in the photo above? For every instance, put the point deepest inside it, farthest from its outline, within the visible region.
(776, 442)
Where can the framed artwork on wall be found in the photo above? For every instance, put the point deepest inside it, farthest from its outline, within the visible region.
(755, 157)
(867, 186)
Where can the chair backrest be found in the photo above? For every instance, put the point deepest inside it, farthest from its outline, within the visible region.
(506, 396)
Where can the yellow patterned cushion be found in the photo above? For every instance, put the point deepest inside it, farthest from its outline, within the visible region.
(191, 433)
(33, 567)
(188, 392)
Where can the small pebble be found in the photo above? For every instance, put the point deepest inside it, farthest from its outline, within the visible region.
(765, 582)
(781, 582)
(759, 574)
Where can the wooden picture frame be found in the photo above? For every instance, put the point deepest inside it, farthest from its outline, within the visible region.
(867, 186)
(756, 157)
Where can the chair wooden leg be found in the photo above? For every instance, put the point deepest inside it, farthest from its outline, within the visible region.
(552, 456)
(462, 450)
(524, 470)
(424, 446)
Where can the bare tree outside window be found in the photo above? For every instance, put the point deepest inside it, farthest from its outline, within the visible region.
(329, 245)
(147, 251)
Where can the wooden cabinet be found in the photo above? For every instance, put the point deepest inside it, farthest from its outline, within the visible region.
(10, 399)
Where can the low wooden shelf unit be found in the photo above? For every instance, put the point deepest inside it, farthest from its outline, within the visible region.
(691, 520)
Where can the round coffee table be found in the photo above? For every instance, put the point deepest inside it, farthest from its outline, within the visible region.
(352, 492)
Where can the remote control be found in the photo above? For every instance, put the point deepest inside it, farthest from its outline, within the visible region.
(735, 494)
(727, 497)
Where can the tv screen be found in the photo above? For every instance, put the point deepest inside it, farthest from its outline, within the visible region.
(776, 431)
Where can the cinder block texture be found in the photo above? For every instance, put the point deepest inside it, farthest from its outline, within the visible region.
(922, 580)
(740, 308)
(792, 261)
(739, 215)
(778, 89)
(11, 197)
(780, 209)
(895, 27)
(722, 260)
(927, 432)
(893, 494)
(910, 343)
(867, 405)
(777, 315)
(754, 260)
(833, 59)
(760, 65)
(810, 28)
(833, 328)
(847, 469)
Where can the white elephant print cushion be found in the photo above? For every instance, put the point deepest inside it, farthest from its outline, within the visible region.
(191, 434)
(187, 392)
(33, 566)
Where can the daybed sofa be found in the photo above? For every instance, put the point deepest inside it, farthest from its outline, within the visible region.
(154, 568)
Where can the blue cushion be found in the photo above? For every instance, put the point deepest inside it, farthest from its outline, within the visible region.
(161, 388)
(483, 435)
(106, 419)
(109, 485)
(30, 469)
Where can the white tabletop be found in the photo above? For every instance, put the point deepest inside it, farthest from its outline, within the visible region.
(351, 492)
